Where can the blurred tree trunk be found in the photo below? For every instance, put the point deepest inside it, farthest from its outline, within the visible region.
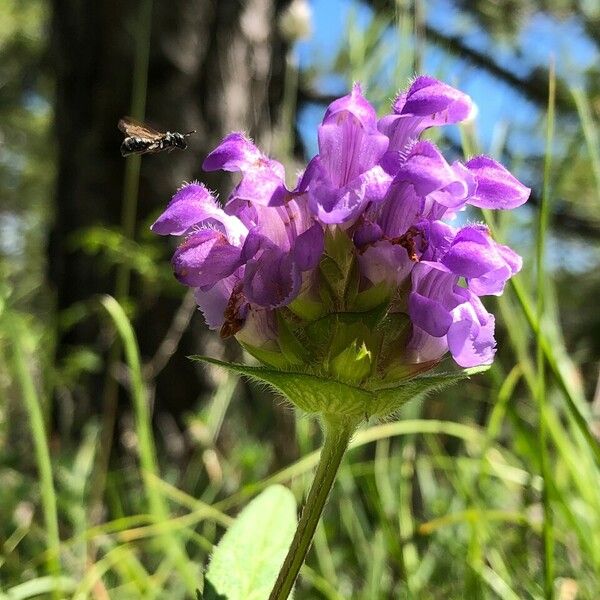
(214, 66)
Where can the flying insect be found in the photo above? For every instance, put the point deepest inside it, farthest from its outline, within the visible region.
(143, 139)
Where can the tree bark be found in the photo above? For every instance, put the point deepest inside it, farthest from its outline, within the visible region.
(215, 66)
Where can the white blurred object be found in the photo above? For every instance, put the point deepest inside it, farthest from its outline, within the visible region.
(295, 23)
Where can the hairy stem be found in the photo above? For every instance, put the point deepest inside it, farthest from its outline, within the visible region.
(337, 438)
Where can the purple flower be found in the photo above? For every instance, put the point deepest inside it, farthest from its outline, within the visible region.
(247, 252)
(364, 227)
(425, 186)
(484, 264)
(438, 307)
(212, 248)
(194, 204)
(262, 178)
(283, 243)
(346, 173)
(496, 187)
(427, 103)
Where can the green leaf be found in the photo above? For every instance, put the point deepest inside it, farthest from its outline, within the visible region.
(375, 296)
(209, 592)
(338, 266)
(273, 358)
(318, 393)
(339, 247)
(291, 348)
(352, 283)
(390, 399)
(307, 308)
(247, 560)
(335, 330)
(312, 393)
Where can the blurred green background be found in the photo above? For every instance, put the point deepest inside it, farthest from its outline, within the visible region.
(448, 502)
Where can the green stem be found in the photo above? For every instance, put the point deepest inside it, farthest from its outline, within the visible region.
(137, 110)
(548, 523)
(337, 438)
(40, 444)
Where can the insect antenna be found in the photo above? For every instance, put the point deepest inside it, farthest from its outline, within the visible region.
(189, 133)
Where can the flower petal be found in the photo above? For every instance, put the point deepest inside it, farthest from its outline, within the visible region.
(470, 338)
(308, 248)
(263, 179)
(496, 187)
(356, 104)
(439, 237)
(367, 233)
(349, 143)
(343, 205)
(486, 265)
(235, 153)
(205, 258)
(194, 205)
(472, 253)
(436, 102)
(432, 298)
(272, 279)
(402, 208)
(427, 170)
(427, 103)
(385, 262)
(430, 315)
(263, 186)
(260, 328)
(423, 347)
(213, 302)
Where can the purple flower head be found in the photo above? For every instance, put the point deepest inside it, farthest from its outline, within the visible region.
(296, 274)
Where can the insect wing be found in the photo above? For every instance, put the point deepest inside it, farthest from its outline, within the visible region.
(134, 128)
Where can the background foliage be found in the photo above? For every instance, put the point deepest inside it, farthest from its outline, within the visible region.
(122, 463)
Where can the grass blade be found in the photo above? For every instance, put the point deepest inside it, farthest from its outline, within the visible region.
(147, 450)
(40, 442)
(543, 219)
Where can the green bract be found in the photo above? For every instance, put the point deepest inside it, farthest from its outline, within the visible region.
(331, 397)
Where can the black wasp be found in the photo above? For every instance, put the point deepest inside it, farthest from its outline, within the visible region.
(142, 139)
